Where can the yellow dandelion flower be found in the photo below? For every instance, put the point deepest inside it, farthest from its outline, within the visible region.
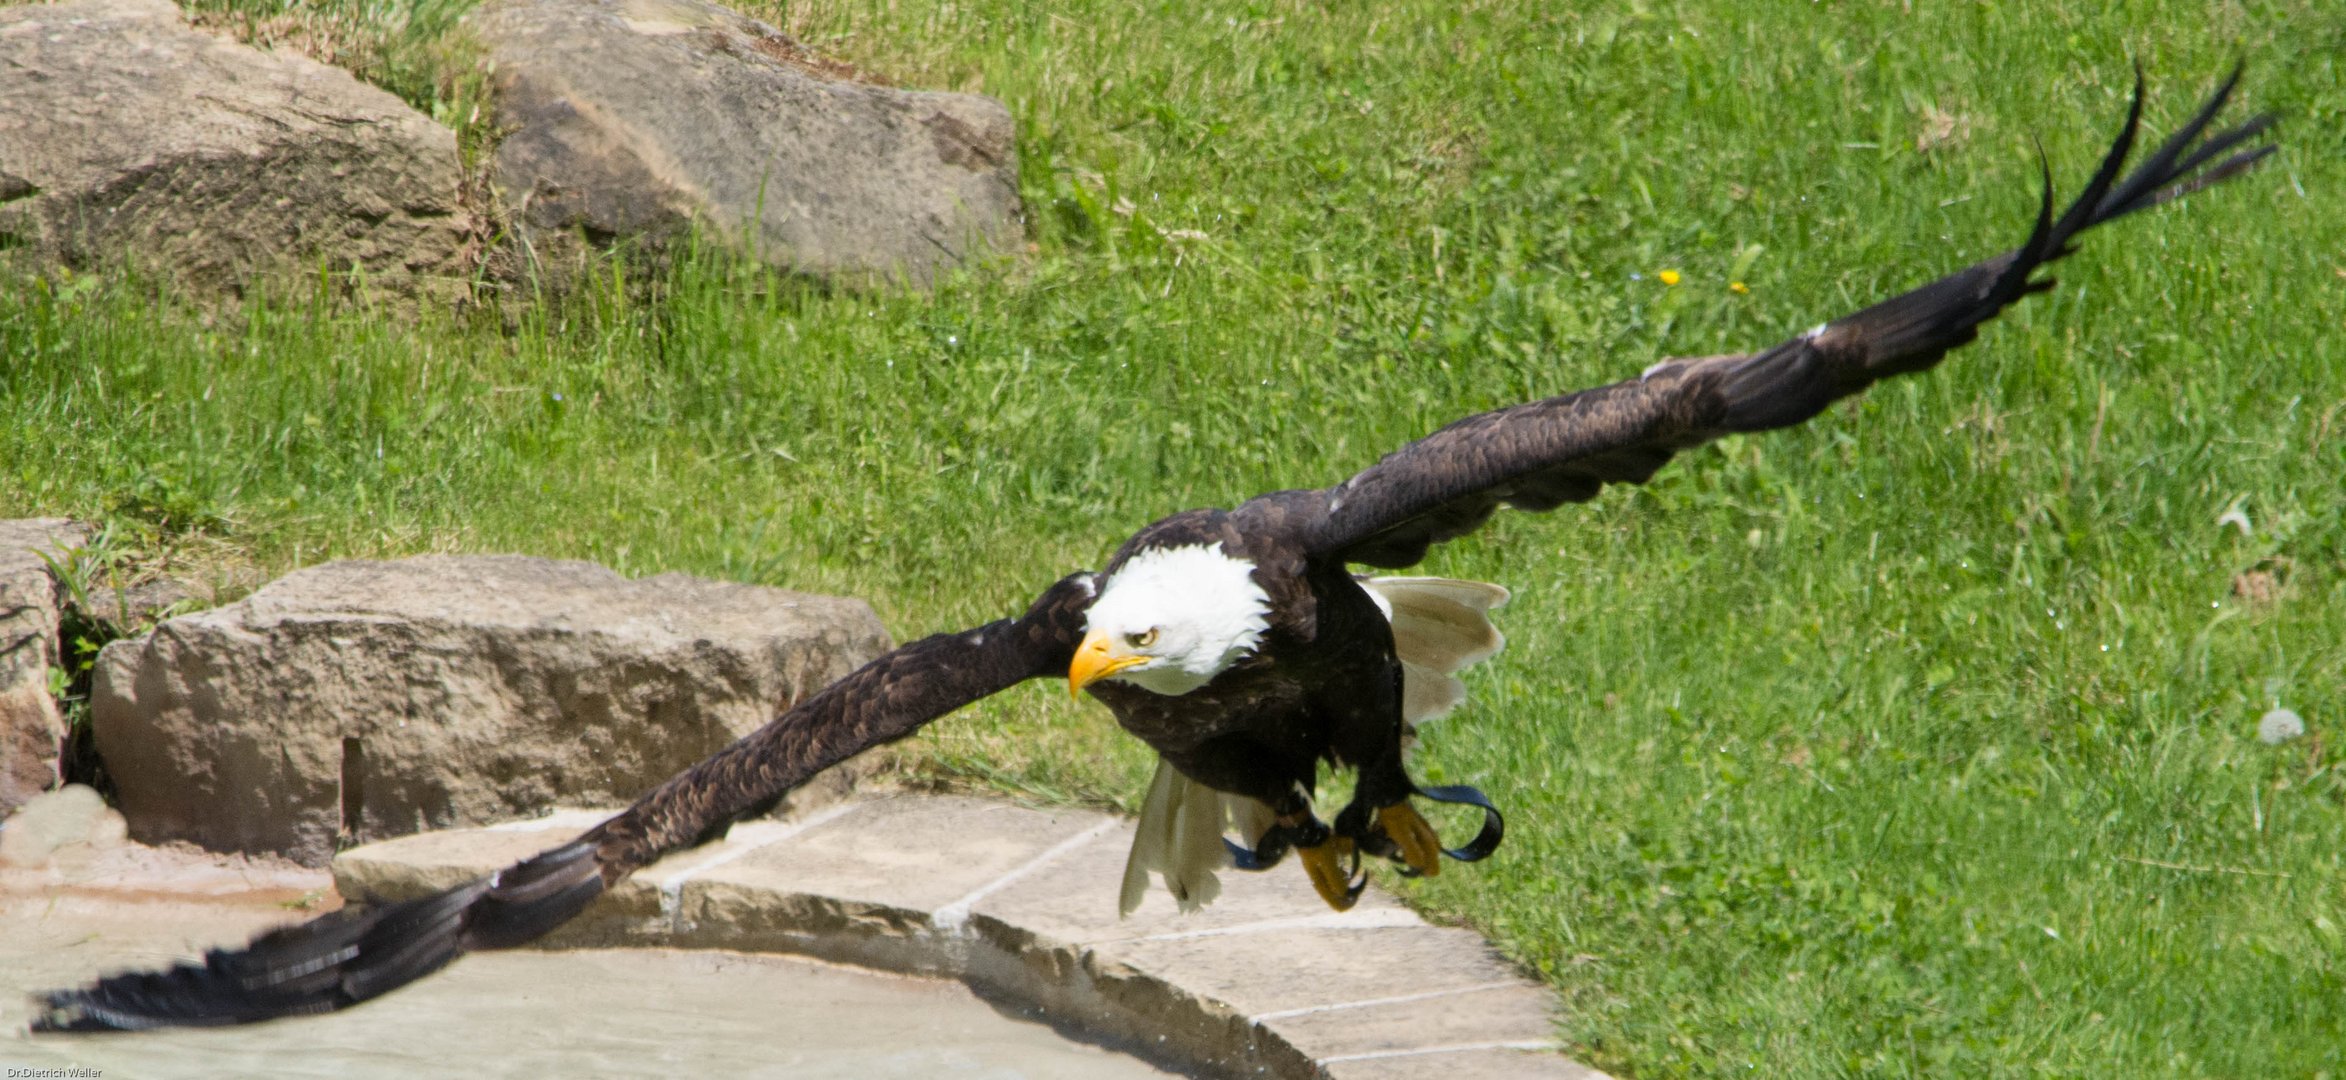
(1738, 288)
(1669, 277)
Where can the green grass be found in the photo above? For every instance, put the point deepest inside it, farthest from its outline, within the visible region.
(1919, 740)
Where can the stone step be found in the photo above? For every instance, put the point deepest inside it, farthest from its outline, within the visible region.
(1021, 904)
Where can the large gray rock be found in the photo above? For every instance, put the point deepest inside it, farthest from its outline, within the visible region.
(31, 601)
(362, 700)
(633, 118)
(124, 133)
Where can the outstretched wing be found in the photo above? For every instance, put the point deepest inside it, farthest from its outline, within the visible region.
(352, 955)
(1546, 453)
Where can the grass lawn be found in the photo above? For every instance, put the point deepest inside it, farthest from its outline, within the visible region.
(1919, 740)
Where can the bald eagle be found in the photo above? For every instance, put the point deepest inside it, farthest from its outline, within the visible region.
(1238, 643)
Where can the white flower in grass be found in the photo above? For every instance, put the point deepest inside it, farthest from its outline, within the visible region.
(2236, 517)
(2280, 726)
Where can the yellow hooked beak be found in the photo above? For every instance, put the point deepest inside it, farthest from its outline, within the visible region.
(1097, 658)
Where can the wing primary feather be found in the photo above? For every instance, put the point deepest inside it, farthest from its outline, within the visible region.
(1543, 454)
(1914, 330)
(2168, 162)
(355, 954)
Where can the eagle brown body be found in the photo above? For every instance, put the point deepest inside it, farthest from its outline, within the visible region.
(1322, 683)
(1323, 673)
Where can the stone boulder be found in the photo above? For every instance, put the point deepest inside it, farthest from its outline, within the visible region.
(636, 118)
(74, 814)
(358, 701)
(31, 602)
(125, 134)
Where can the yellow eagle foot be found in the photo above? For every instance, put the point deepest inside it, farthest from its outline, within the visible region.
(1420, 847)
(1332, 867)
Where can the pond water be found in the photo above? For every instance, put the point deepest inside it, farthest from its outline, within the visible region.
(620, 1012)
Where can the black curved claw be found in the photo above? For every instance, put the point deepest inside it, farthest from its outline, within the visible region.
(1279, 839)
(1356, 881)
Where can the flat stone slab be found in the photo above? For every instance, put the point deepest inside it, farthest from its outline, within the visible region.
(1061, 902)
(1021, 904)
(860, 886)
(1281, 969)
(1467, 1063)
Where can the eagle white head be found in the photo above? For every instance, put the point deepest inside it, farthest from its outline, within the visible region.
(1170, 619)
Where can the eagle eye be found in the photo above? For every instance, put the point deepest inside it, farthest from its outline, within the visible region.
(1142, 640)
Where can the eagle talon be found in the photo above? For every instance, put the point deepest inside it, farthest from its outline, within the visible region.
(1420, 847)
(1333, 867)
(1297, 832)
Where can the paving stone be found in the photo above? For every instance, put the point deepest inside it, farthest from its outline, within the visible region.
(1299, 968)
(1487, 1064)
(424, 863)
(1513, 1012)
(1044, 933)
(640, 910)
(1266, 982)
(412, 866)
(915, 853)
(1120, 1003)
(1072, 901)
(854, 888)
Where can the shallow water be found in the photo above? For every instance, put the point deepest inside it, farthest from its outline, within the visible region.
(621, 1012)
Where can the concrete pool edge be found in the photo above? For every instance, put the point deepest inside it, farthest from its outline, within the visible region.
(1019, 903)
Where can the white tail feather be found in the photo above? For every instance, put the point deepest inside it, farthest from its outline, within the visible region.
(1249, 818)
(1440, 627)
(1180, 837)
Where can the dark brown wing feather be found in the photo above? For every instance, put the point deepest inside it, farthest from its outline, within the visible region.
(350, 956)
(1543, 454)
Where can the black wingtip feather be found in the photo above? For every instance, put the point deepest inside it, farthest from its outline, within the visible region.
(1544, 453)
(2163, 176)
(2043, 237)
(541, 893)
(1914, 330)
(338, 960)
